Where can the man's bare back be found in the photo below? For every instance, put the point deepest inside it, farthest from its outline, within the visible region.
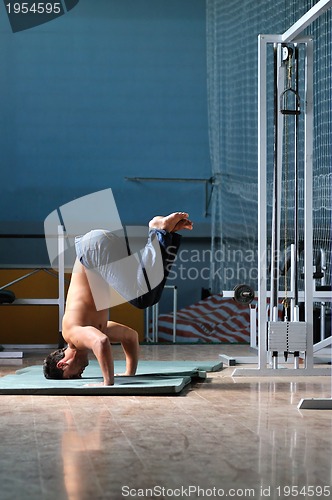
(80, 306)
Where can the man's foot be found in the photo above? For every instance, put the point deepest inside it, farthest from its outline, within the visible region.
(171, 223)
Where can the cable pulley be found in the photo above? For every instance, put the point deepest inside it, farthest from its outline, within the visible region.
(290, 103)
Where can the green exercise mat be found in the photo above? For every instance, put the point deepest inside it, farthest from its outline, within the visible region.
(153, 377)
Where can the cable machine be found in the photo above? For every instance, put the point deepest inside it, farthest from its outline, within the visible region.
(280, 331)
(290, 335)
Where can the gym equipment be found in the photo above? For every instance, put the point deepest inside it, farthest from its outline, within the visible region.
(243, 294)
(289, 92)
(288, 335)
(6, 296)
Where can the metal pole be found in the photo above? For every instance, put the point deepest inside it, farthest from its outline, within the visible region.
(308, 224)
(296, 189)
(253, 326)
(156, 311)
(292, 283)
(262, 198)
(61, 279)
(175, 306)
(312, 14)
(147, 324)
(275, 208)
(323, 304)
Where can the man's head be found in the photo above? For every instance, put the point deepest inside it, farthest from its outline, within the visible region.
(65, 364)
(50, 366)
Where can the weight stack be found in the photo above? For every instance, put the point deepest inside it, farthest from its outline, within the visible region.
(287, 336)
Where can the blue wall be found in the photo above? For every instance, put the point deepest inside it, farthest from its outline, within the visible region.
(111, 89)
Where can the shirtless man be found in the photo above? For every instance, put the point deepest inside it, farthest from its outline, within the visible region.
(85, 327)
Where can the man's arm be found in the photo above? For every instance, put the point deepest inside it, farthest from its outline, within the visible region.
(88, 337)
(129, 341)
(102, 349)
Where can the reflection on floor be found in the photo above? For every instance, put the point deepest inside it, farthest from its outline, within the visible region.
(237, 437)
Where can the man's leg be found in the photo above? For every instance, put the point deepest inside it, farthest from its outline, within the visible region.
(169, 244)
(165, 230)
(140, 281)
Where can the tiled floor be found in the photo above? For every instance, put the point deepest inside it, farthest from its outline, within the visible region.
(241, 438)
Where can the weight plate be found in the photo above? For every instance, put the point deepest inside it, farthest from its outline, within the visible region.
(243, 294)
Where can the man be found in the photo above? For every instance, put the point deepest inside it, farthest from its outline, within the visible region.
(102, 260)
